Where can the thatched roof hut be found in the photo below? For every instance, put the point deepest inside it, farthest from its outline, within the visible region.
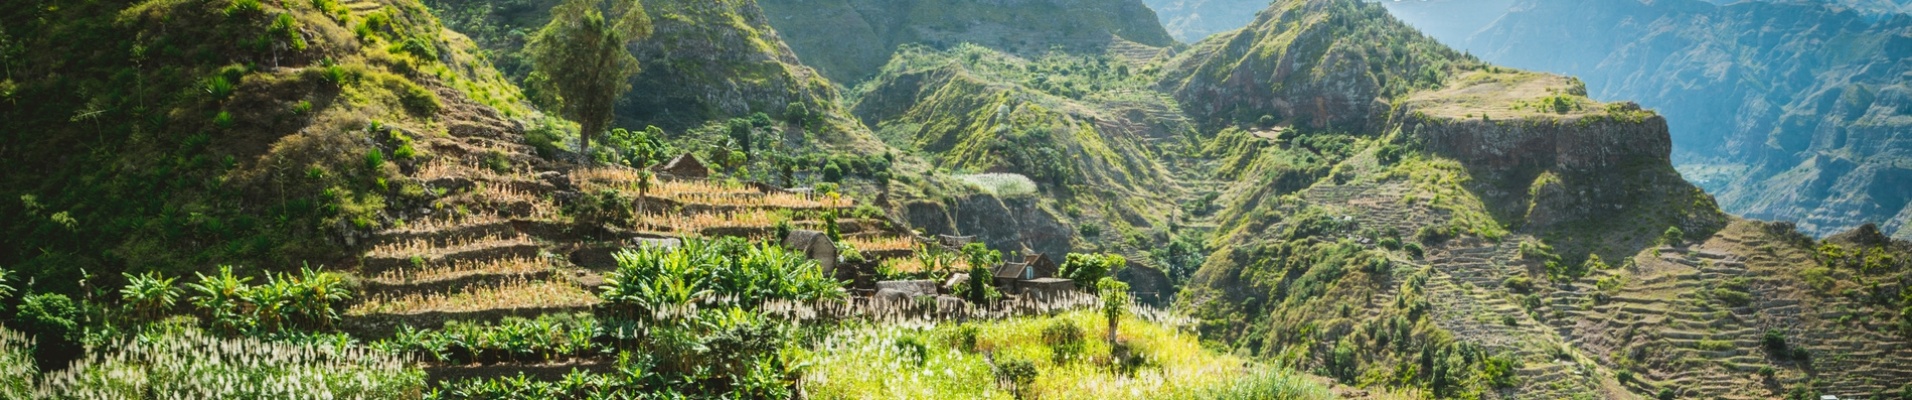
(684, 166)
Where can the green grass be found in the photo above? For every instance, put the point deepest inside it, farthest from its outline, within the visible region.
(866, 362)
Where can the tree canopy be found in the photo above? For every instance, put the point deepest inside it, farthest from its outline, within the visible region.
(581, 62)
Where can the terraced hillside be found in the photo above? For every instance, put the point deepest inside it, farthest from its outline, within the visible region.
(531, 239)
(241, 134)
(1500, 236)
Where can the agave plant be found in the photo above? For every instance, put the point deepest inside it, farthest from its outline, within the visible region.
(149, 295)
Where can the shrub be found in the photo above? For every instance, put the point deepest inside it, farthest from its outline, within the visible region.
(417, 47)
(1593, 263)
(966, 336)
(243, 8)
(1673, 236)
(978, 289)
(497, 162)
(1537, 251)
(1087, 269)
(1266, 121)
(795, 113)
(1665, 394)
(1414, 250)
(286, 29)
(54, 321)
(1518, 284)
(1432, 235)
(219, 87)
(417, 99)
(1774, 341)
(1732, 297)
(545, 135)
(223, 120)
(334, 73)
(374, 160)
(1018, 375)
(1064, 339)
(912, 349)
(832, 172)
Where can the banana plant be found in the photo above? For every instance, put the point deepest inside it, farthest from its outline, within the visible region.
(219, 298)
(148, 295)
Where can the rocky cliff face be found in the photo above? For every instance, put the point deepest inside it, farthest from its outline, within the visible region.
(850, 39)
(1003, 224)
(1789, 111)
(1576, 145)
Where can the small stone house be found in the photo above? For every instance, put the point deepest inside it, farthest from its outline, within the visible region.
(1042, 266)
(1009, 273)
(814, 245)
(684, 167)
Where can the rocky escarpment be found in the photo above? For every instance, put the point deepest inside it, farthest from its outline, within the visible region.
(849, 40)
(1543, 157)
(1002, 223)
(1785, 110)
(1548, 171)
(1575, 144)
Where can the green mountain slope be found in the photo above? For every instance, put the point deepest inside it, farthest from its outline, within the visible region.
(850, 40)
(1086, 129)
(1448, 235)
(716, 59)
(175, 135)
(1314, 64)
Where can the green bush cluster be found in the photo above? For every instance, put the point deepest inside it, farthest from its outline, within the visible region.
(231, 303)
(1065, 341)
(653, 283)
(1087, 269)
(550, 337)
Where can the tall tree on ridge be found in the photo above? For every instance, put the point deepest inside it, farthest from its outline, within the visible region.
(582, 58)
